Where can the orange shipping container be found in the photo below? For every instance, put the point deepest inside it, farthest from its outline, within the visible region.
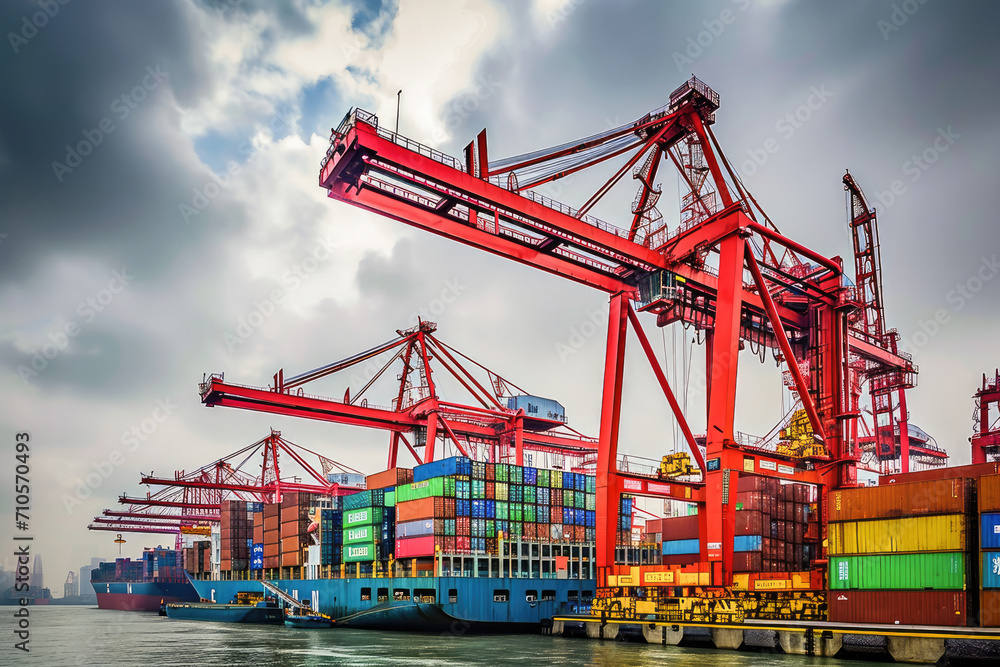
(989, 609)
(273, 549)
(294, 528)
(414, 510)
(292, 544)
(939, 496)
(292, 559)
(272, 537)
(989, 500)
(390, 477)
(973, 471)
(270, 523)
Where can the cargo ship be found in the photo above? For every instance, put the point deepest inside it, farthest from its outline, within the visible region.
(143, 584)
(452, 545)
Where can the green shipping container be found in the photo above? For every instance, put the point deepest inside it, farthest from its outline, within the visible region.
(478, 488)
(360, 553)
(591, 502)
(359, 535)
(529, 513)
(569, 498)
(543, 477)
(502, 511)
(362, 517)
(390, 498)
(530, 494)
(517, 475)
(430, 488)
(449, 487)
(502, 472)
(935, 571)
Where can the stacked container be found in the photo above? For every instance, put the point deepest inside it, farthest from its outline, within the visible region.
(460, 506)
(198, 557)
(771, 529)
(236, 531)
(271, 514)
(898, 553)
(989, 556)
(368, 526)
(331, 536)
(294, 526)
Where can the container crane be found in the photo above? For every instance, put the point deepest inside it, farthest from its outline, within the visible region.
(893, 441)
(986, 441)
(725, 270)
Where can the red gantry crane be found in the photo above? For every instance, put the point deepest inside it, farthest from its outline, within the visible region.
(986, 441)
(189, 502)
(893, 442)
(502, 426)
(723, 268)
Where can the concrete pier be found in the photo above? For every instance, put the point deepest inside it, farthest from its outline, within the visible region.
(905, 644)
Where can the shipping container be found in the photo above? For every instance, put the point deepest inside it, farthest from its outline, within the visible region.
(942, 496)
(428, 488)
(989, 493)
(537, 407)
(389, 478)
(989, 609)
(898, 607)
(358, 534)
(360, 553)
(912, 534)
(974, 471)
(415, 547)
(938, 571)
(363, 516)
(989, 526)
(991, 569)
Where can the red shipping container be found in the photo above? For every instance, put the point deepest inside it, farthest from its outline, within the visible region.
(939, 496)
(789, 552)
(388, 478)
(272, 510)
(580, 533)
(462, 524)
(751, 483)
(681, 559)
(747, 561)
(681, 527)
(747, 523)
(491, 489)
(294, 528)
(750, 500)
(463, 544)
(291, 514)
(415, 547)
(530, 531)
(898, 607)
(272, 549)
(449, 508)
(449, 544)
(272, 561)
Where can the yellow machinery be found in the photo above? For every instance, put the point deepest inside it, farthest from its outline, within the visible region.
(797, 439)
(674, 465)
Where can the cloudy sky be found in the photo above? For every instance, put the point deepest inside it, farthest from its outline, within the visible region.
(158, 181)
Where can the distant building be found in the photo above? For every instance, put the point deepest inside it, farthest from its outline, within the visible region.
(37, 576)
(6, 579)
(84, 580)
(71, 588)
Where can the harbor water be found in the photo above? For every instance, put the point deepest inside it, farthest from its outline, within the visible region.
(90, 636)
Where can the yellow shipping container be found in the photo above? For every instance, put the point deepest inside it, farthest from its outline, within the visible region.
(885, 536)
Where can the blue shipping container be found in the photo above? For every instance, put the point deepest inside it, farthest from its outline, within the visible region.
(415, 528)
(680, 547)
(748, 543)
(990, 531)
(535, 406)
(456, 465)
(991, 569)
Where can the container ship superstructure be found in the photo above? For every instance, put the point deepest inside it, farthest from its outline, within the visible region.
(143, 584)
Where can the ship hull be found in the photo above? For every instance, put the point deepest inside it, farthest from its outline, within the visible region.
(142, 596)
(443, 604)
(225, 613)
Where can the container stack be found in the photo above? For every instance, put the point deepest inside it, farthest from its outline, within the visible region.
(899, 553)
(198, 557)
(163, 565)
(989, 544)
(331, 536)
(460, 506)
(771, 529)
(294, 528)
(368, 527)
(236, 530)
(271, 514)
